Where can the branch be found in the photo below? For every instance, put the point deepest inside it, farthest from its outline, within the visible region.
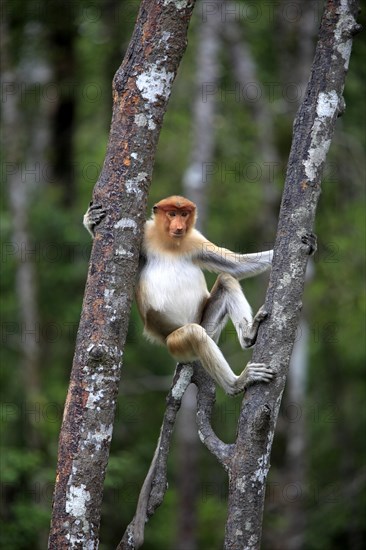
(206, 397)
(141, 90)
(313, 131)
(155, 484)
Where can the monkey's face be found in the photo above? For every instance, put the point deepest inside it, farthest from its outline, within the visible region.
(174, 216)
(177, 223)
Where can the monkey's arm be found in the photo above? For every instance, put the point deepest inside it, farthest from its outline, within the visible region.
(241, 266)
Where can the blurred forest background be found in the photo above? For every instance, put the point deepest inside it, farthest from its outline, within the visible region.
(230, 114)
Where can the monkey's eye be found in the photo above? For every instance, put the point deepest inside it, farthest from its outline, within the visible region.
(184, 214)
(172, 214)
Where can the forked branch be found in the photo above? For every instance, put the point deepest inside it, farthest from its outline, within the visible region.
(155, 484)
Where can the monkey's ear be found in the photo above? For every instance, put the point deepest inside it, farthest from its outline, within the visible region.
(154, 209)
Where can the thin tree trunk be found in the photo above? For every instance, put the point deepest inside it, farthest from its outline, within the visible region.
(294, 467)
(295, 44)
(25, 162)
(292, 472)
(246, 74)
(195, 184)
(25, 141)
(155, 484)
(313, 131)
(62, 32)
(196, 177)
(141, 89)
(188, 451)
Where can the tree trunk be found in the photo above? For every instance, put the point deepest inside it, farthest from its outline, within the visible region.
(24, 172)
(196, 177)
(195, 187)
(188, 451)
(246, 74)
(25, 146)
(141, 89)
(313, 131)
(292, 472)
(62, 31)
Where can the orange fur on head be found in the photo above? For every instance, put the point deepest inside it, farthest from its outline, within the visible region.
(175, 215)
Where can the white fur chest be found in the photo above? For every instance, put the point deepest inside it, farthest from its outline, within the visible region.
(175, 287)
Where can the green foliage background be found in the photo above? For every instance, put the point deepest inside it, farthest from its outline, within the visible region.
(334, 300)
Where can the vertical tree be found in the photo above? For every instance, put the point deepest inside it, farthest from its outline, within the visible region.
(141, 89)
(25, 162)
(313, 130)
(62, 32)
(295, 63)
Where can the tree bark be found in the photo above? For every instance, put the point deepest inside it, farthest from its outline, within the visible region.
(141, 89)
(313, 130)
(293, 468)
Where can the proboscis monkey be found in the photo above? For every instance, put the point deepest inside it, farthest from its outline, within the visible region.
(172, 296)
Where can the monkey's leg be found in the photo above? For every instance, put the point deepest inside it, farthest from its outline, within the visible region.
(215, 314)
(249, 333)
(192, 342)
(228, 300)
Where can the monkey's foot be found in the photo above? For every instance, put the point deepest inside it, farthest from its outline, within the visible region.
(261, 314)
(93, 216)
(310, 240)
(253, 373)
(250, 339)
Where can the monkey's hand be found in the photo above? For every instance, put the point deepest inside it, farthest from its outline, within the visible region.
(93, 216)
(311, 241)
(253, 373)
